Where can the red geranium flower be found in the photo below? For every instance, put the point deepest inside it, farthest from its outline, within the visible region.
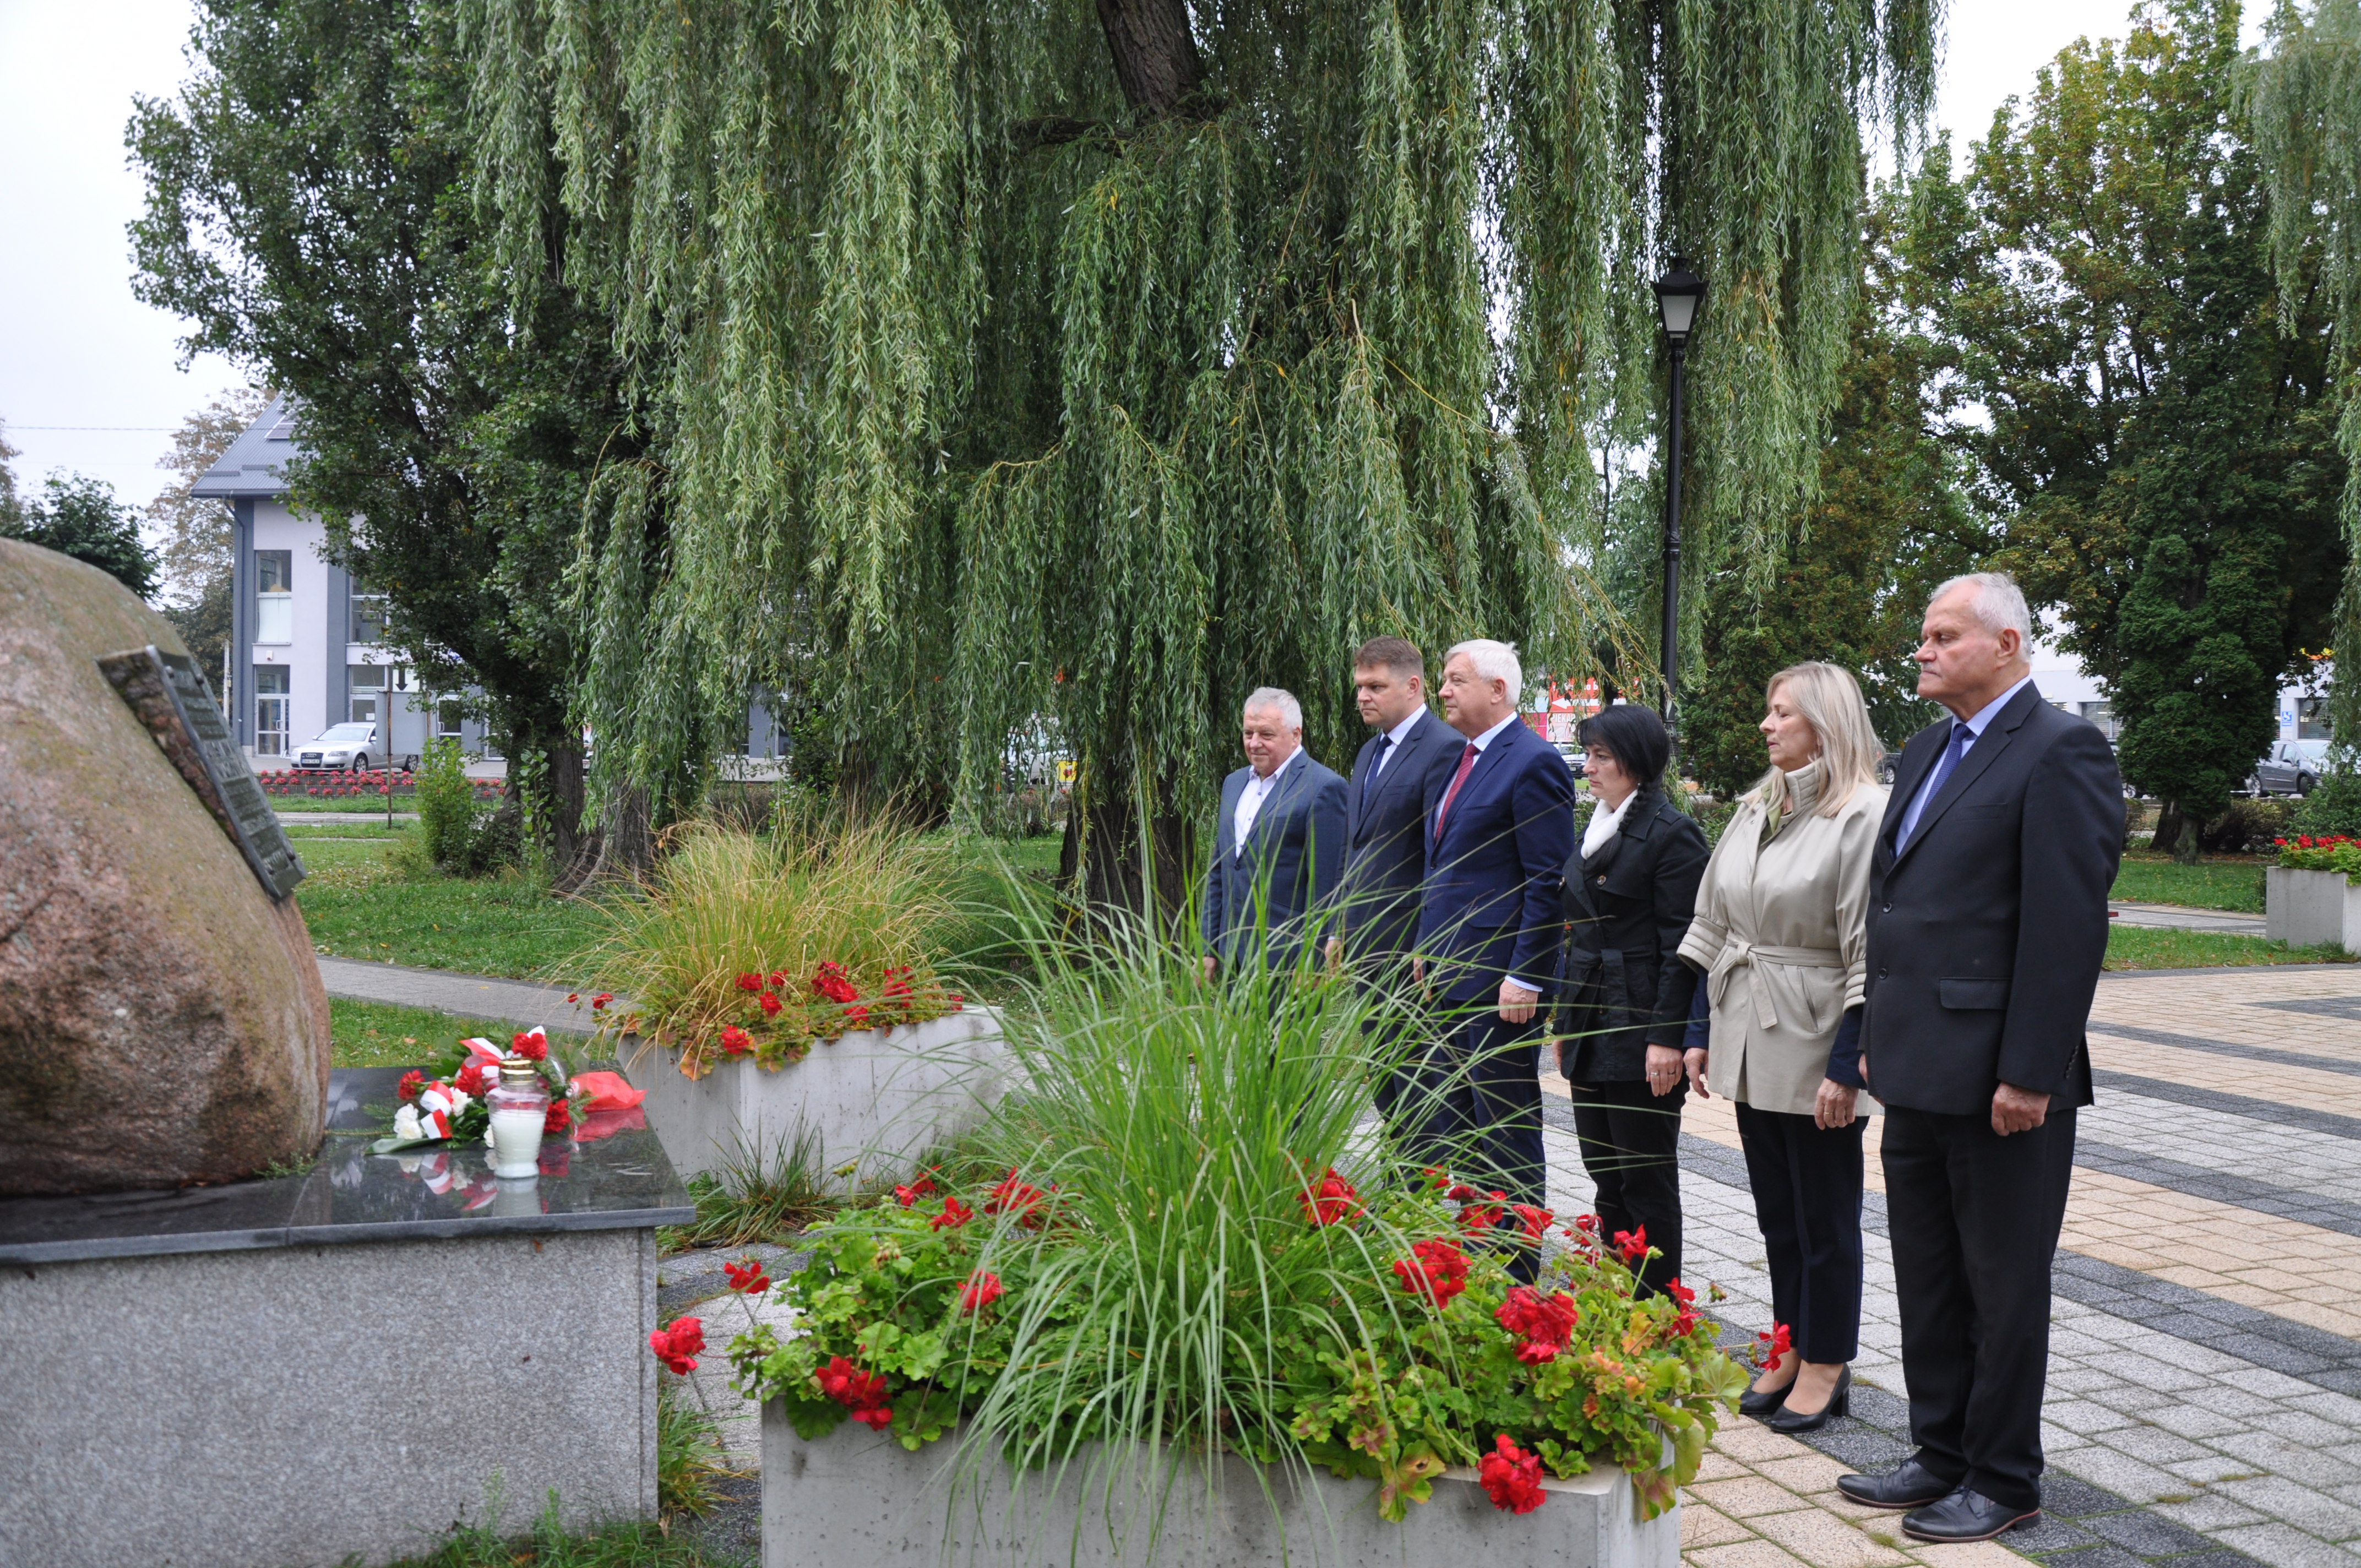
(1013, 1197)
(777, 978)
(747, 1276)
(1436, 1270)
(897, 982)
(411, 1083)
(1332, 1199)
(736, 1041)
(573, 996)
(958, 1001)
(770, 1003)
(470, 1079)
(533, 1045)
(677, 1347)
(955, 1213)
(1685, 1323)
(831, 981)
(750, 983)
(559, 1119)
(856, 1017)
(1476, 1218)
(1771, 1349)
(1633, 1245)
(862, 1393)
(1512, 1477)
(599, 1003)
(906, 1196)
(981, 1290)
(1544, 1324)
(1535, 1220)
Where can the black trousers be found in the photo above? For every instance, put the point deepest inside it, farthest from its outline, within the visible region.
(1974, 1222)
(1479, 1101)
(1806, 1182)
(1630, 1142)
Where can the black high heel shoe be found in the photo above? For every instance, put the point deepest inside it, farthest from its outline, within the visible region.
(1840, 1403)
(1761, 1404)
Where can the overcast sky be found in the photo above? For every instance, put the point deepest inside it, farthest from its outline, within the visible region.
(76, 350)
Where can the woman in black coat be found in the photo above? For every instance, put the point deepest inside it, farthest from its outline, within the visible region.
(1630, 893)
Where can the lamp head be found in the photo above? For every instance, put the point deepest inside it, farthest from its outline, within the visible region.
(1678, 294)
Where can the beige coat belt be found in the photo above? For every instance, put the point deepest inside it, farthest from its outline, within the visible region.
(1735, 953)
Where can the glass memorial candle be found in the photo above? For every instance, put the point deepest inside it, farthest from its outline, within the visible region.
(519, 1108)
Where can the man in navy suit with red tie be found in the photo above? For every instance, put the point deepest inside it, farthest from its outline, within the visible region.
(1499, 834)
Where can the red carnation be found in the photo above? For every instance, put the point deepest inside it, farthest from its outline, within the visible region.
(1436, 1270)
(1512, 1477)
(1013, 1197)
(955, 1214)
(534, 1046)
(981, 1290)
(677, 1346)
(736, 1041)
(470, 1079)
(411, 1083)
(906, 1196)
(559, 1119)
(770, 1003)
(747, 1276)
(1332, 1201)
(1544, 1324)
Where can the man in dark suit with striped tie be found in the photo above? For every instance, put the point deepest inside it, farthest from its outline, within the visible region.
(1403, 767)
(1987, 926)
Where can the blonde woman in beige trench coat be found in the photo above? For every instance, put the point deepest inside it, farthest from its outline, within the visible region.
(1780, 936)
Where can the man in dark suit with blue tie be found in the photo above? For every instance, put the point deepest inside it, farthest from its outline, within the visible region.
(1402, 770)
(1498, 835)
(1279, 843)
(1987, 926)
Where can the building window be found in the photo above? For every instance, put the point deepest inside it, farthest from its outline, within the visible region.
(446, 720)
(270, 710)
(368, 618)
(274, 587)
(367, 683)
(2312, 720)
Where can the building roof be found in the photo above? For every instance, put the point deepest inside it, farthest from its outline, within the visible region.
(250, 468)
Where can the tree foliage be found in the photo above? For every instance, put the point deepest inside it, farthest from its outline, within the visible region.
(78, 516)
(195, 555)
(1108, 361)
(2304, 114)
(1892, 521)
(309, 213)
(2158, 440)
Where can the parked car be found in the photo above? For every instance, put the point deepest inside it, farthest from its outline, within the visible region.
(338, 746)
(2291, 767)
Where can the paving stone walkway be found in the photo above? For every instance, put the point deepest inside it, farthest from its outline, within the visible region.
(519, 1002)
(2206, 1340)
(2183, 917)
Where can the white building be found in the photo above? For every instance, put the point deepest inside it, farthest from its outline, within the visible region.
(304, 650)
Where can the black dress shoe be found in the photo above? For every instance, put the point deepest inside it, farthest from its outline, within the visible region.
(1965, 1516)
(1909, 1484)
(1839, 1402)
(1761, 1404)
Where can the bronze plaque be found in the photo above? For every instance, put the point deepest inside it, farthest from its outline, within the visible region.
(170, 695)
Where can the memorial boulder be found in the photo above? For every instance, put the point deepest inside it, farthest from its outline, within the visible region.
(162, 1017)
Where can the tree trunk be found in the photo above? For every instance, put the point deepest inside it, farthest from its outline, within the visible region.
(2168, 826)
(1102, 866)
(1154, 54)
(624, 845)
(564, 805)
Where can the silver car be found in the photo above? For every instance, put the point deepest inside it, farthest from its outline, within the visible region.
(340, 746)
(2291, 767)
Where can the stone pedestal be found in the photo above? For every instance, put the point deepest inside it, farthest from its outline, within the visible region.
(875, 1098)
(2307, 909)
(334, 1366)
(857, 1498)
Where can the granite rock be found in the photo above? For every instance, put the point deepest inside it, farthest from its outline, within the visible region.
(162, 1016)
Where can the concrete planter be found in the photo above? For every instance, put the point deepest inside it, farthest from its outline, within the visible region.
(856, 1497)
(2306, 909)
(877, 1098)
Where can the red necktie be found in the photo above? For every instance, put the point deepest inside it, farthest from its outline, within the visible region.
(1467, 761)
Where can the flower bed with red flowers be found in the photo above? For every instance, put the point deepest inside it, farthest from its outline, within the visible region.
(1418, 1349)
(777, 1017)
(2329, 853)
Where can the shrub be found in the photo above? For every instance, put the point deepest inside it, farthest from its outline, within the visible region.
(446, 806)
(2332, 806)
(2247, 825)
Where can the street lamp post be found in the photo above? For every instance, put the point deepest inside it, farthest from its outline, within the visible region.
(1679, 293)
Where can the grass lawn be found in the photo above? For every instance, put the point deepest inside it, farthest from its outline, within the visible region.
(2144, 947)
(2222, 881)
(360, 905)
(342, 805)
(378, 1034)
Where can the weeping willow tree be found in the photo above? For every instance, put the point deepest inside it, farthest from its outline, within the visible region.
(1104, 361)
(2303, 108)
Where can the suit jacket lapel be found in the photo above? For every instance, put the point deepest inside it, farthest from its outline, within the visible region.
(1485, 761)
(1988, 746)
(1273, 802)
(1355, 817)
(1919, 754)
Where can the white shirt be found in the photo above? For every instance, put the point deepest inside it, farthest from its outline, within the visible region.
(1976, 727)
(1250, 799)
(1394, 739)
(1481, 743)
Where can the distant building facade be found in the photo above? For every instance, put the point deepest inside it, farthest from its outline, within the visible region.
(2302, 709)
(306, 646)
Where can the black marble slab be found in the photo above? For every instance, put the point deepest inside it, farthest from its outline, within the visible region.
(620, 1181)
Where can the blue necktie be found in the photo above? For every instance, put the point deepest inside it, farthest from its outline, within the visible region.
(1370, 784)
(1961, 736)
